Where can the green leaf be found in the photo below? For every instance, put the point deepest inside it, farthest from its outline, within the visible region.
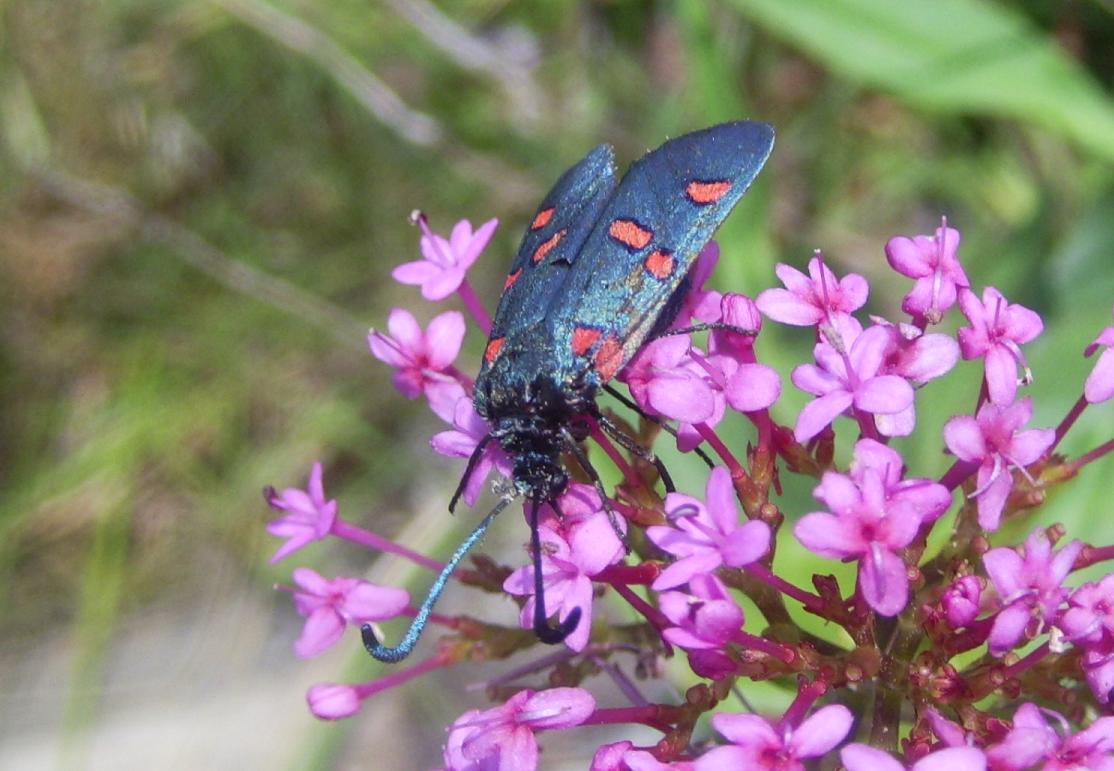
(949, 55)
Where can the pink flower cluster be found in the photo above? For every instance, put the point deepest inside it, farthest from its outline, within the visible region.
(963, 648)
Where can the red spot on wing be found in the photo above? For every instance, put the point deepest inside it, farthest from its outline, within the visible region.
(547, 245)
(541, 219)
(609, 358)
(707, 192)
(511, 278)
(492, 350)
(584, 338)
(660, 263)
(630, 234)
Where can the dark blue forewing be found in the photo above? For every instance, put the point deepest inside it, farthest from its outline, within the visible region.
(645, 241)
(552, 242)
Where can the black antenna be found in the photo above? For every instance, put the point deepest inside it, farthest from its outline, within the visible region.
(473, 459)
(546, 633)
(402, 650)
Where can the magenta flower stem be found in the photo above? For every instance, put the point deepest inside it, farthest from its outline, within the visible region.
(400, 676)
(627, 575)
(807, 694)
(958, 473)
(709, 435)
(475, 307)
(650, 715)
(368, 539)
(866, 426)
(1090, 556)
(656, 618)
(766, 576)
(1068, 421)
(770, 648)
(765, 426)
(1093, 455)
(1019, 666)
(613, 453)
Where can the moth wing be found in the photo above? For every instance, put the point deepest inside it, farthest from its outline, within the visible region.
(647, 238)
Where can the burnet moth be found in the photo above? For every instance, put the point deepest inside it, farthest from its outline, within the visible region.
(601, 270)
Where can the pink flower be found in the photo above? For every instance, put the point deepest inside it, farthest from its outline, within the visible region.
(993, 440)
(333, 701)
(1029, 586)
(502, 738)
(1033, 741)
(960, 601)
(862, 757)
(932, 261)
(664, 380)
(706, 620)
(423, 360)
(841, 381)
(812, 299)
(445, 262)
(918, 357)
(703, 538)
(747, 385)
(309, 517)
(461, 442)
(873, 517)
(997, 331)
(758, 746)
(329, 605)
(1090, 615)
(1100, 383)
(571, 554)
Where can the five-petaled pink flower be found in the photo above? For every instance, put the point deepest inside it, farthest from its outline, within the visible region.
(328, 605)
(997, 331)
(445, 262)
(993, 440)
(502, 738)
(423, 361)
(932, 261)
(1030, 586)
(703, 538)
(575, 547)
(706, 620)
(814, 299)
(842, 380)
(309, 517)
(758, 746)
(918, 357)
(1033, 743)
(873, 516)
(469, 429)
(1100, 383)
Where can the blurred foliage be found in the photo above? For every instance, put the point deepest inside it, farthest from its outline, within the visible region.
(201, 202)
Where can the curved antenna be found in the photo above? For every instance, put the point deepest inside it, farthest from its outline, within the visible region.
(402, 650)
(546, 633)
(473, 459)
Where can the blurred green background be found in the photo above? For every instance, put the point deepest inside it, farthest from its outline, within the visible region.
(201, 203)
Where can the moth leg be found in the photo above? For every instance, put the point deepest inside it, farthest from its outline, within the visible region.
(657, 421)
(631, 445)
(712, 325)
(590, 470)
(473, 459)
